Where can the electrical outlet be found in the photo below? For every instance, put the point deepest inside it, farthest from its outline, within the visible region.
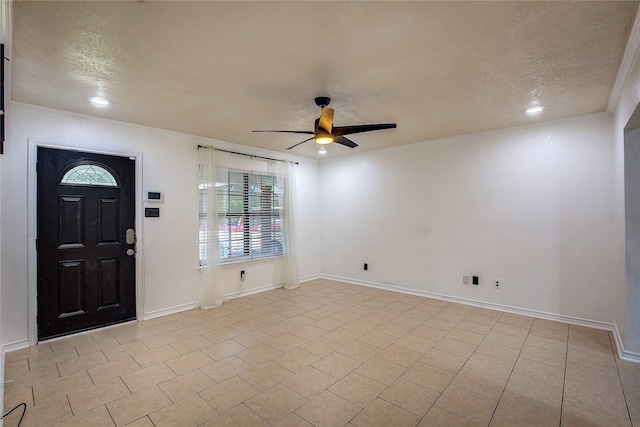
(475, 280)
(242, 275)
(497, 283)
(366, 266)
(465, 280)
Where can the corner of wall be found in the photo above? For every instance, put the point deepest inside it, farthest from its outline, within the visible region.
(5, 38)
(626, 66)
(623, 103)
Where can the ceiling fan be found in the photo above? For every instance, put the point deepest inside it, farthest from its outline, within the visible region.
(325, 133)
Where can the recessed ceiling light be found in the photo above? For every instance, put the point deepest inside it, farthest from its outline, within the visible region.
(322, 151)
(535, 109)
(99, 101)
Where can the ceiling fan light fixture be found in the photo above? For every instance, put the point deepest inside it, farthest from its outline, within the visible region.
(324, 139)
(325, 133)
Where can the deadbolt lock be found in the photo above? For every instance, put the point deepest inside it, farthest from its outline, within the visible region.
(130, 236)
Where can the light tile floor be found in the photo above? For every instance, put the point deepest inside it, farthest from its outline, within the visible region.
(328, 354)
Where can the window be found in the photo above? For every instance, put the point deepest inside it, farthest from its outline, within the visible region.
(89, 174)
(250, 215)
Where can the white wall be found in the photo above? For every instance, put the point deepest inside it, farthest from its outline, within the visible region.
(624, 103)
(532, 206)
(628, 281)
(169, 244)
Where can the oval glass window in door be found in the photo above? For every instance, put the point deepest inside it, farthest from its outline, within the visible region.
(89, 174)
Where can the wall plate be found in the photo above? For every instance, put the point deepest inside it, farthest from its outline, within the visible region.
(152, 212)
(154, 197)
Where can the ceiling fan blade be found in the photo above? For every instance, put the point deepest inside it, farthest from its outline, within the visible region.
(326, 120)
(344, 141)
(347, 130)
(294, 146)
(305, 132)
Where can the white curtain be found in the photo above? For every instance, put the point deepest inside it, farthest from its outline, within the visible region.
(286, 181)
(210, 277)
(289, 255)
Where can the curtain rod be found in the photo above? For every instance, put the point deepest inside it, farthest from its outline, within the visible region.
(244, 154)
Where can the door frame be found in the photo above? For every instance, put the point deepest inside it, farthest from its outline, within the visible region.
(32, 212)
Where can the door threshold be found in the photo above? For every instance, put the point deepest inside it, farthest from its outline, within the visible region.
(86, 331)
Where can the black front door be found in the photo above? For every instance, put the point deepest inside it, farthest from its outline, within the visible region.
(86, 262)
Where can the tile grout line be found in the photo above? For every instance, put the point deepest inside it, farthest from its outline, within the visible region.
(564, 377)
(512, 369)
(624, 394)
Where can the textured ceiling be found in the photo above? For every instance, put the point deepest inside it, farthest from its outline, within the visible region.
(220, 69)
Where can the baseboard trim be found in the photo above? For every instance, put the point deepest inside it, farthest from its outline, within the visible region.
(630, 356)
(482, 304)
(13, 346)
(310, 278)
(232, 295)
(244, 293)
(170, 310)
(624, 355)
(627, 355)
